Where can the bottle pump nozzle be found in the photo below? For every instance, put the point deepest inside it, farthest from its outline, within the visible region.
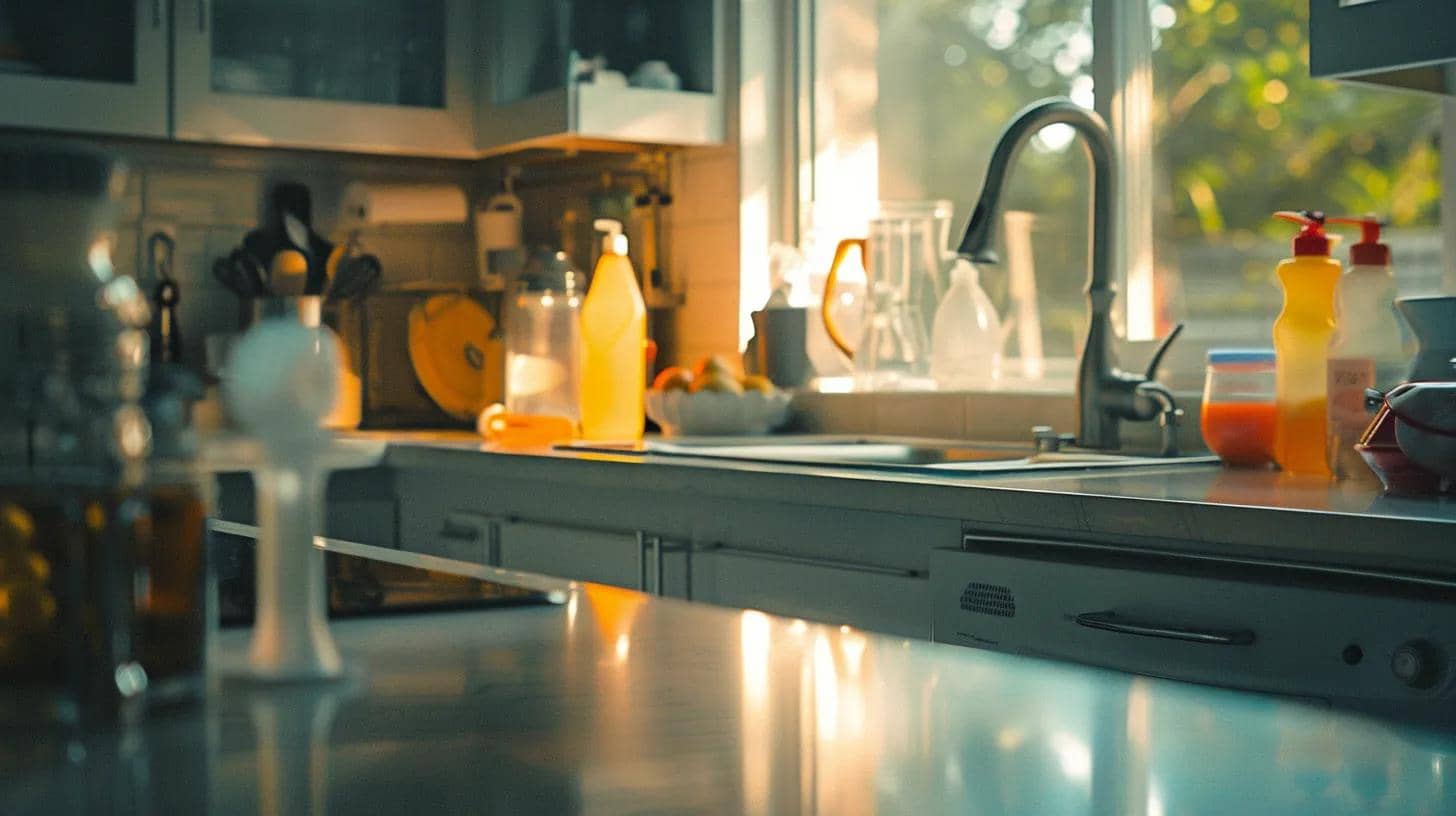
(614, 243)
(1311, 239)
(1369, 251)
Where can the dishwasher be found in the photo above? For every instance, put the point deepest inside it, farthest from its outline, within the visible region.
(1357, 639)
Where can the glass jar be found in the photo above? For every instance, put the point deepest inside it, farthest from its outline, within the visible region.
(543, 339)
(1238, 412)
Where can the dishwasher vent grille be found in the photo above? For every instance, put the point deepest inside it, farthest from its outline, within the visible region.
(989, 599)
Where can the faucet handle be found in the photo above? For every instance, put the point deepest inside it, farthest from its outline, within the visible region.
(1047, 440)
(1157, 359)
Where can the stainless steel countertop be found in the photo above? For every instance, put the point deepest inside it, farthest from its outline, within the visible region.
(618, 703)
(1202, 508)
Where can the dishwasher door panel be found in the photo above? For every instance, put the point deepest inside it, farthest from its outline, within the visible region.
(1213, 625)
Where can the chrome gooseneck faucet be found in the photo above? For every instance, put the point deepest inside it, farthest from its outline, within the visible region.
(1106, 395)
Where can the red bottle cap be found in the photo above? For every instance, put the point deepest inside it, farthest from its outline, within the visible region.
(1312, 239)
(1369, 252)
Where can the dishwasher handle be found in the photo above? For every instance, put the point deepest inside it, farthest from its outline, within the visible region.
(1109, 621)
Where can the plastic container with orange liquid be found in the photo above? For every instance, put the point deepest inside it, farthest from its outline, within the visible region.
(1301, 343)
(1237, 418)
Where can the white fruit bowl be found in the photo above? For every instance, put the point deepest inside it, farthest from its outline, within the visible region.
(706, 413)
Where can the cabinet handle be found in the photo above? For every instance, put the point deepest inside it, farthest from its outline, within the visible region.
(657, 565)
(852, 566)
(1109, 621)
(475, 528)
(650, 544)
(641, 561)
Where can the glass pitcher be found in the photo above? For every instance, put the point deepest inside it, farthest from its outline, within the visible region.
(903, 256)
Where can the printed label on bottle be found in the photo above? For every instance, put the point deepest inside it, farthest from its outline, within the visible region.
(1348, 379)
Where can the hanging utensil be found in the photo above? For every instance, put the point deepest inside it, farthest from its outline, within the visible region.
(288, 274)
(354, 277)
(252, 272)
(225, 272)
(166, 336)
(298, 235)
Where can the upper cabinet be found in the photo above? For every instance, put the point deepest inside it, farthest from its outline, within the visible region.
(1408, 44)
(379, 76)
(457, 78)
(93, 66)
(579, 73)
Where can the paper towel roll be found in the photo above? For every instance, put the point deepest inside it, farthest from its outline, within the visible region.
(404, 204)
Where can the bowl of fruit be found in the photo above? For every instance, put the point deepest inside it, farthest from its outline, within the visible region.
(711, 399)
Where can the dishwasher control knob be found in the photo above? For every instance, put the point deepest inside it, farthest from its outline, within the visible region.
(1417, 664)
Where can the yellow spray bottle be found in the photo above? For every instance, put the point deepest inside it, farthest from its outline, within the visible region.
(1301, 347)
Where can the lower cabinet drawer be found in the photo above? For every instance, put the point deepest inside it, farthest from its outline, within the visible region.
(887, 601)
(572, 553)
(1281, 629)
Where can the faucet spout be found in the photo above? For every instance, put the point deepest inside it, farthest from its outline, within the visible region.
(1105, 395)
(978, 242)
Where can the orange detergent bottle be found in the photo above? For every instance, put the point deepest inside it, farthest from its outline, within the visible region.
(1301, 343)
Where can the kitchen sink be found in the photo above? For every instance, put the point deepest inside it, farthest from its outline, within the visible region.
(891, 453)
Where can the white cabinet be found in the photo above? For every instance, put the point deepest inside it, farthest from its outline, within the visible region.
(449, 78)
(531, 94)
(877, 599)
(379, 76)
(90, 66)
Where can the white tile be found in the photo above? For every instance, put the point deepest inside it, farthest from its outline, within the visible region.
(131, 196)
(705, 189)
(834, 413)
(126, 251)
(708, 319)
(203, 197)
(403, 258)
(704, 255)
(925, 414)
(451, 260)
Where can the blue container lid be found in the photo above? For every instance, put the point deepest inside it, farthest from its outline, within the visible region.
(1241, 355)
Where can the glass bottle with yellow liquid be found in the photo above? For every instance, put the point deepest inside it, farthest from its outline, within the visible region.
(1301, 345)
(613, 343)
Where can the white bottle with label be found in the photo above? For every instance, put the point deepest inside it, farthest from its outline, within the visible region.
(1366, 350)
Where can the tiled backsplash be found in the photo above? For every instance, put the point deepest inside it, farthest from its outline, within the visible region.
(703, 251)
(211, 196)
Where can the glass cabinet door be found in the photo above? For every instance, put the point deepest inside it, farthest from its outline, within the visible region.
(382, 53)
(373, 75)
(89, 65)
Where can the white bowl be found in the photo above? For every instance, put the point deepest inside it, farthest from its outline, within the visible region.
(705, 413)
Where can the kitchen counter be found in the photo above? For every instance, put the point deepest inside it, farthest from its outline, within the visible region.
(1202, 509)
(614, 702)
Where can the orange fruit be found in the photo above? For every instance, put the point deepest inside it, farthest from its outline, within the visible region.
(717, 381)
(673, 378)
(758, 382)
(716, 364)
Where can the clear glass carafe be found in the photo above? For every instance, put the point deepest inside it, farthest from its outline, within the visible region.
(903, 257)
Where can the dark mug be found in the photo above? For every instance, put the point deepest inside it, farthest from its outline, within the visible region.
(779, 345)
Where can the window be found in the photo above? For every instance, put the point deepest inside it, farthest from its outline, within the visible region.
(909, 96)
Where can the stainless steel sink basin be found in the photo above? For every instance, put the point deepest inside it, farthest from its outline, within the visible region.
(893, 453)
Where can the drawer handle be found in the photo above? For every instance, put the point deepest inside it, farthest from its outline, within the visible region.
(1110, 622)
